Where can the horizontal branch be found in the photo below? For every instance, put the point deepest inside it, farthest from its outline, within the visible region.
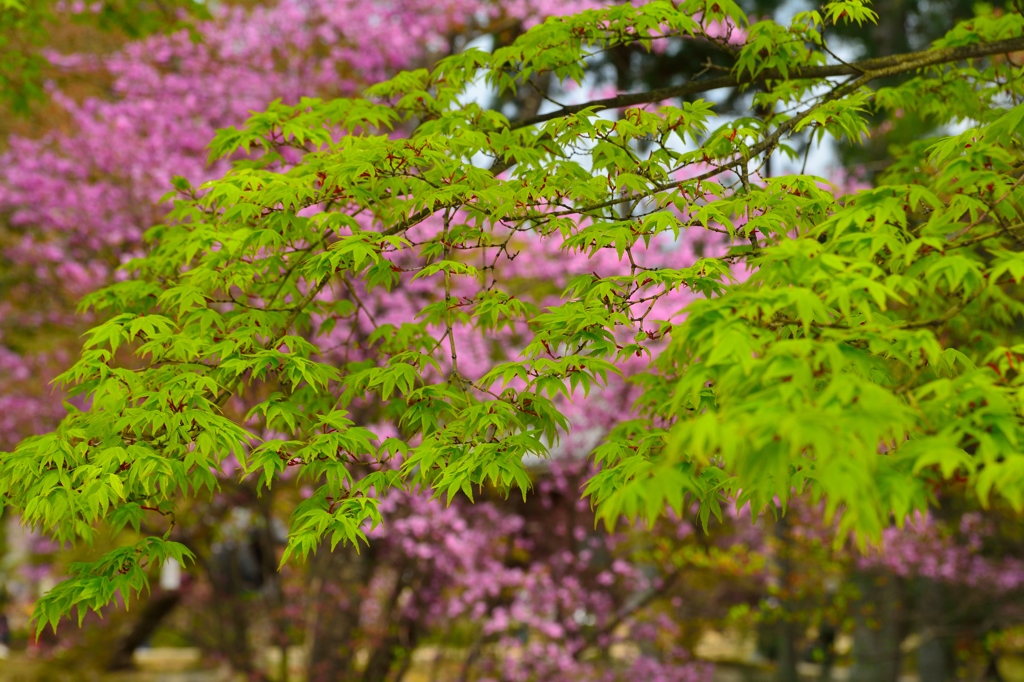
(878, 66)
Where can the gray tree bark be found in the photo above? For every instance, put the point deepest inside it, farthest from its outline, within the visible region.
(339, 578)
(935, 653)
(788, 632)
(878, 628)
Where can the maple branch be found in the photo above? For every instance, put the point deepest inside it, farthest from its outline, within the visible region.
(873, 68)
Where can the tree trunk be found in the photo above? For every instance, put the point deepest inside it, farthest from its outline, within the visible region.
(340, 579)
(156, 609)
(935, 653)
(788, 631)
(827, 646)
(397, 647)
(878, 629)
(265, 546)
(992, 673)
(225, 571)
(787, 671)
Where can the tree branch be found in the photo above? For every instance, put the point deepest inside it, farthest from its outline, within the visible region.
(876, 67)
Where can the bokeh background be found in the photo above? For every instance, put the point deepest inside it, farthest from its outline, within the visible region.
(104, 102)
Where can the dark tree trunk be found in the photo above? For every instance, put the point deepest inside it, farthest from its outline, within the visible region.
(265, 548)
(787, 671)
(381, 658)
(156, 609)
(234, 634)
(935, 653)
(340, 579)
(385, 656)
(788, 631)
(878, 628)
(225, 571)
(827, 646)
(992, 673)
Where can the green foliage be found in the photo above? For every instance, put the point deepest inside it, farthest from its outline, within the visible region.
(96, 584)
(25, 30)
(855, 347)
(21, 34)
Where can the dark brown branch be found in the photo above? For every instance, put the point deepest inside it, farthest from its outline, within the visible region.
(898, 63)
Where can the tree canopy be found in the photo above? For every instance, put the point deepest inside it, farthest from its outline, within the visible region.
(408, 289)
